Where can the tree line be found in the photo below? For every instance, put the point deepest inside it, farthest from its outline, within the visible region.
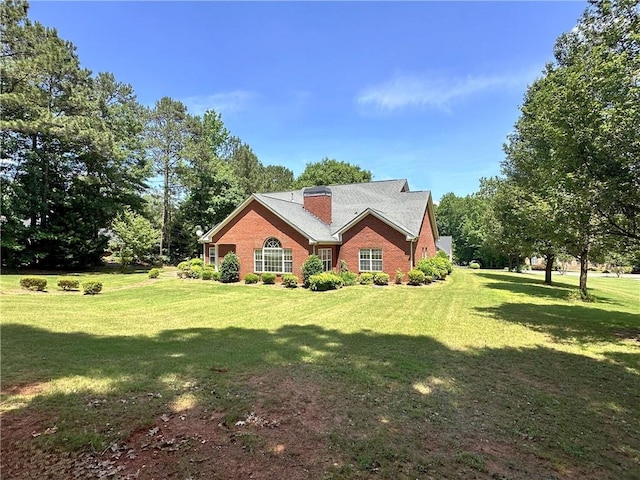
(570, 181)
(81, 159)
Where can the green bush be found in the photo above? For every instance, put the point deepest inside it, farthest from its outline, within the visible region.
(250, 278)
(365, 278)
(154, 273)
(195, 271)
(269, 278)
(474, 265)
(91, 288)
(311, 266)
(68, 283)
(208, 273)
(428, 267)
(34, 283)
(399, 277)
(183, 266)
(381, 278)
(416, 277)
(289, 280)
(196, 262)
(321, 282)
(349, 278)
(230, 268)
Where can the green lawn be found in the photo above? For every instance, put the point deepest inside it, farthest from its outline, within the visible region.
(486, 375)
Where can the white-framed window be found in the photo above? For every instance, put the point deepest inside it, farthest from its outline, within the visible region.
(212, 256)
(325, 256)
(370, 260)
(272, 257)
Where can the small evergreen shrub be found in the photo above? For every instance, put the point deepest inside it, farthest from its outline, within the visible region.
(209, 273)
(381, 278)
(92, 288)
(195, 271)
(183, 266)
(416, 277)
(365, 278)
(68, 283)
(230, 268)
(251, 278)
(37, 284)
(474, 265)
(196, 262)
(289, 280)
(154, 273)
(349, 278)
(399, 277)
(269, 278)
(321, 282)
(311, 266)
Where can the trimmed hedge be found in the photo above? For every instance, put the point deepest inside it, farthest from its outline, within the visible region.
(230, 268)
(37, 284)
(365, 278)
(474, 265)
(399, 277)
(416, 277)
(289, 280)
(68, 284)
(311, 266)
(251, 278)
(381, 278)
(196, 262)
(349, 278)
(92, 288)
(324, 281)
(208, 273)
(154, 273)
(269, 278)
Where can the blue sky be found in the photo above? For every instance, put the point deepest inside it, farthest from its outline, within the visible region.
(426, 91)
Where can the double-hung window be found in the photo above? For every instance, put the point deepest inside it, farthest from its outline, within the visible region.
(370, 260)
(273, 258)
(325, 256)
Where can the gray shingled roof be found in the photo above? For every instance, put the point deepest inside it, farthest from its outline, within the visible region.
(389, 199)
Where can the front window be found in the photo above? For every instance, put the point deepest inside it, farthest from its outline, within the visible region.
(325, 256)
(273, 258)
(370, 260)
(212, 255)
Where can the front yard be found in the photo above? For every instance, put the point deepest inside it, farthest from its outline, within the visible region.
(488, 375)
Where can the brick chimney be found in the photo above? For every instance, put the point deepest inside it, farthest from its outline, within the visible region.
(317, 201)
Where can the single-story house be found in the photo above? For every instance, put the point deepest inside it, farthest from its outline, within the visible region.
(445, 243)
(374, 227)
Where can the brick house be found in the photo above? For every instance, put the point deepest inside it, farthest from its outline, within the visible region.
(375, 226)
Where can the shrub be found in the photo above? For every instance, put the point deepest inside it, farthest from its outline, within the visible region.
(416, 277)
(269, 278)
(289, 280)
(474, 265)
(183, 266)
(196, 262)
(209, 273)
(311, 266)
(381, 278)
(428, 267)
(154, 273)
(343, 266)
(34, 283)
(68, 283)
(349, 278)
(366, 278)
(91, 288)
(230, 268)
(399, 277)
(196, 271)
(321, 282)
(250, 278)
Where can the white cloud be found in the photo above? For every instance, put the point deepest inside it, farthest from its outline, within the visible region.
(223, 102)
(432, 91)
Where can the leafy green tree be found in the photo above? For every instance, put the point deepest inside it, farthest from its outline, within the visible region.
(247, 169)
(331, 172)
(135, 237)
(277, 178)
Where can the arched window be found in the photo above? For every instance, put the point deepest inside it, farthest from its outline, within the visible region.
(272, 257)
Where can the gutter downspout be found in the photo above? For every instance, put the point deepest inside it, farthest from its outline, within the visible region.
(413, 240)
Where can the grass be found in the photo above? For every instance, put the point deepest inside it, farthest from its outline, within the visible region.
(487, 375)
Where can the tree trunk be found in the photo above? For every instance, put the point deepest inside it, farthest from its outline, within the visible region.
(584, 264)
(548, 268)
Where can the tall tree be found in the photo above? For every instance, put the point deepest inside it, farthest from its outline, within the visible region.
(247, 168)
(168, 132)
(331, 172)
(69, 145)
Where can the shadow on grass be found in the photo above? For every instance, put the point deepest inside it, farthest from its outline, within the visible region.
(529, 285)
(577, 411)
(572, 322)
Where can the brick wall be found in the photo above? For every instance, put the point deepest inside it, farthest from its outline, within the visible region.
(371, 232)
(319, 205)
(251, 227)
(426, 243)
